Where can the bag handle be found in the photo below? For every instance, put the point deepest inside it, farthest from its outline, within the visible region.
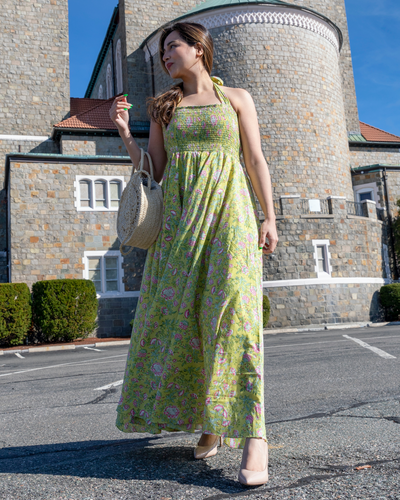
(150, 175)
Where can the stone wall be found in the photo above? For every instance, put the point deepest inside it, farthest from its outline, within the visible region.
(97, 146)
(320, 304)
(23, 146)
(355, 243)
(48, 234)
(364, 156)
(335, 10)
(34, 62)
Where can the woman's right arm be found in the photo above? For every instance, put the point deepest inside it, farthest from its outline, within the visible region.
(156, 140)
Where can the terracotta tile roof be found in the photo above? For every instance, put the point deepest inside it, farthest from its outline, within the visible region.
(82, 104)
(373, 134)
(90, 117)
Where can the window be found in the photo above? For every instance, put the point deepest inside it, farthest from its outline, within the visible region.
(100, 96)
(322, 257)
(368, 195)
(98, 193)
(109, 82)
(104, 268)
(367, 192)
(118, 67)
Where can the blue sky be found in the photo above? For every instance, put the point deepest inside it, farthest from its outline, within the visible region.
(374, 41)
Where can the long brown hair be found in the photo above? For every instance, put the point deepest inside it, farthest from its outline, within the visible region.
(162, 107)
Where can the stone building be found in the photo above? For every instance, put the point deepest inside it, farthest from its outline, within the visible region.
(335, 179)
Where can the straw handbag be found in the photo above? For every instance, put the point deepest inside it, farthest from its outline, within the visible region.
(141, 208)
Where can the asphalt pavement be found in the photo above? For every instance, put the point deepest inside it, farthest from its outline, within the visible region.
(332, 406)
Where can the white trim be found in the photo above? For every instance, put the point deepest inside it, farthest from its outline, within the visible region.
(327, 256)
(324, 281)
(116, 295)
(92, 178)
(25, 137)
(106, 253)
(256, 13)
(366, 188)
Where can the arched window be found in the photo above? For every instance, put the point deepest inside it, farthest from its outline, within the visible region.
(85, 193)
(109, 82)
(118, 67)
(115, 193)
(100, 193)
(100, 96)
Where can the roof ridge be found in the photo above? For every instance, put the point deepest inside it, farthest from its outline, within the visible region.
(380, 130)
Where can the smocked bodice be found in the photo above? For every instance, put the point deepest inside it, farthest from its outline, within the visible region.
(212, 127)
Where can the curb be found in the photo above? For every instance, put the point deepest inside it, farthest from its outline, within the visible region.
(266, 331)
(332, 326)
(67, 347)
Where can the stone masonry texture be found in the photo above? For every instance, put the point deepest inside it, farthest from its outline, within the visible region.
(299, 105)
(335, 10)
(34, 66)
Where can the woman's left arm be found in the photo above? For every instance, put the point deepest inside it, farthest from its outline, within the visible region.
(256, 166)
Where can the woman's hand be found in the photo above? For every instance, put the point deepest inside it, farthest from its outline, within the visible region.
(268, 230)
(117, 113)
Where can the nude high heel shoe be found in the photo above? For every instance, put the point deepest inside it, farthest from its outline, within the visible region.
(208, 451)
(252, 477)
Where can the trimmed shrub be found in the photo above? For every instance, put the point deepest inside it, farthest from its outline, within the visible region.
(64, 309)
(266, 310)
(389, 296)
(15, 313)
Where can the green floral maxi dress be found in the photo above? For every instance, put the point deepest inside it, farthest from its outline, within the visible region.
(195, 359)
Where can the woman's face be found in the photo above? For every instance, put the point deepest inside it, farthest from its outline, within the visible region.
(179, 57)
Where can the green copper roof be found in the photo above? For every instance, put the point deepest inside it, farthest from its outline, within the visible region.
(213, 4)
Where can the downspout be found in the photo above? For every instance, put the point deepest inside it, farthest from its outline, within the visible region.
(8, 215)
(152, 71)
(389, 212)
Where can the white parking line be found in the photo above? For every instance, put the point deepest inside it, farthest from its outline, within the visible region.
(113, 384)
(381, 353)
(19, 355)
(93, 349)
(99, 360)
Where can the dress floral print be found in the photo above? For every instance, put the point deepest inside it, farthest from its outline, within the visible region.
(195, 359)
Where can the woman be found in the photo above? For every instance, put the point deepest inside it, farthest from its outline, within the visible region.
(196, 354)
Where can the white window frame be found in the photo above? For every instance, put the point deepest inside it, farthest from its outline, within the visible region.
(100, 94)
(118, 67)
(103, 254)
(91, 179)
(325, 244)
(366, 188)
(109, 82)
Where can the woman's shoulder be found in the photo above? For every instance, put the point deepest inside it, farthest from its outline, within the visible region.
(239, 97)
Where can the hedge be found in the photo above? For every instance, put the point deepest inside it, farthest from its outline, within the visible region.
(389, 296)
(64, 309)
(15, 313)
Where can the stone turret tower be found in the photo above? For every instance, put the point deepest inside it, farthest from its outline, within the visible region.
(335, 10)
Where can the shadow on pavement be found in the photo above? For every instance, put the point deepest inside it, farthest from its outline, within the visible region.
(147, 459)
